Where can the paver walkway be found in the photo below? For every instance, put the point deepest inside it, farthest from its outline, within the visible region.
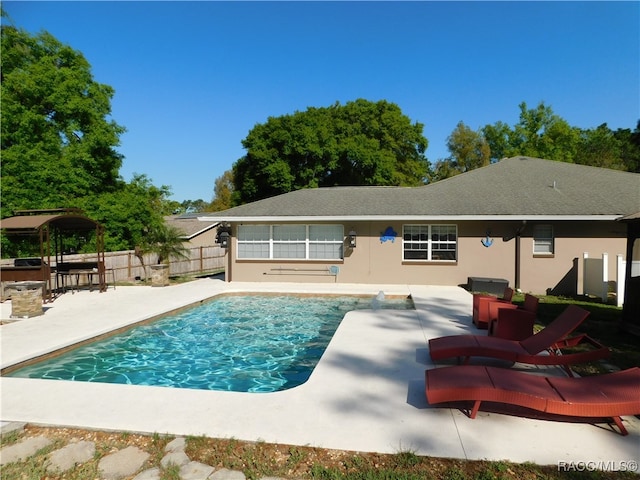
(117, 465)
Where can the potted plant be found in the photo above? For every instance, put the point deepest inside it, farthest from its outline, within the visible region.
(165, 241)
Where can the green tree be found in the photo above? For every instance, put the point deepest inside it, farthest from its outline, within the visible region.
(165, 241)
(359, 143)
(222, 192)
(58, 143)
(129, 212)
(187, 206)
(469, 150)
(191, 206)
(498, 136)
(629, 147)
(541, 133)
(600, 147)
(538, 133)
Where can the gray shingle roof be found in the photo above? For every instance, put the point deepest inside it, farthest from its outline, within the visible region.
(518, 186)
(191, 227)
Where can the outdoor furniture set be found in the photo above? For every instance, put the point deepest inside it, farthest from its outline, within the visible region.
(503, 318)
(599, 398)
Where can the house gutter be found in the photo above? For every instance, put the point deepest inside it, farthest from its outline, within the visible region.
(352, 218)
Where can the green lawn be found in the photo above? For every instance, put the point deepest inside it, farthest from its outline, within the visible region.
(603, 325)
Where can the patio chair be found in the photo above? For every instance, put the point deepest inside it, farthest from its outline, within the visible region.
(597, 398)
(543, 348)
(512, 324)
(481, 302)
(495, 308)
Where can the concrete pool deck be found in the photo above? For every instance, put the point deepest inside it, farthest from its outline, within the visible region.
(366, 394)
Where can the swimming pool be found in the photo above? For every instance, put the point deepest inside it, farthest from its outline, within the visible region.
(248, 343)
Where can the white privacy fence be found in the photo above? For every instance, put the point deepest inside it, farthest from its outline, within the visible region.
(596, 273)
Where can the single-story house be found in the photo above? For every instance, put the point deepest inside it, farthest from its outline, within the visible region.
(526, 220)
(195, 232)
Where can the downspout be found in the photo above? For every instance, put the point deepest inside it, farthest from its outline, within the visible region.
(229, 270)
(516, 236)
(517, 266)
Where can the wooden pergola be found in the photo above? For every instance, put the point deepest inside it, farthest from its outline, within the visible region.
(51, 227)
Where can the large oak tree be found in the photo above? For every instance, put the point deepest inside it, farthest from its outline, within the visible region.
(58, 142)
(359, 143)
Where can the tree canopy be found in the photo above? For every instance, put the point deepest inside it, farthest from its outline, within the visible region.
(543, 134)
(129, 213)
(359, 143)
(222, 192)
(539, 133)
(469, 149)
(59, 143)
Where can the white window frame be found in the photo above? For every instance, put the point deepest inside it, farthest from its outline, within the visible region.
(543, 239)
(425, 242)
(304, 245)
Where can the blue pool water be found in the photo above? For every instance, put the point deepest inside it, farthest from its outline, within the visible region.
(249, 343)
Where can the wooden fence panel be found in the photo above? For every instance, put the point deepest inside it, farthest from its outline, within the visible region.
(126, 266)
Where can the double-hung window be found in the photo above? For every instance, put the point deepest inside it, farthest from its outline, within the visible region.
(430, 242)
(291, 241)
(543, 240)
(254, 241)
(326, 241)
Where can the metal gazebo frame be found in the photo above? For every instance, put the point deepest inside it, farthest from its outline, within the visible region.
(50, 225)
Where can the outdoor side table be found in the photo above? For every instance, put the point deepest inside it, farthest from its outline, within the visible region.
(26, 299)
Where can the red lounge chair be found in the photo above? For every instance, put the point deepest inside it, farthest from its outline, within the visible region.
(512, 324)
(550, 339)
(530, 305)
(481, 302)
(608, 396)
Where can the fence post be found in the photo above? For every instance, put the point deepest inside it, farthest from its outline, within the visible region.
(621, 269)
(582, 278)
(605, 277)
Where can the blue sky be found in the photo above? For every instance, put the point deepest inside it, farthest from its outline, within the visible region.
(191, 79)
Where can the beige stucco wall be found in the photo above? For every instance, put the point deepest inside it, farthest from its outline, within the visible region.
(377, 262)
(205, 239)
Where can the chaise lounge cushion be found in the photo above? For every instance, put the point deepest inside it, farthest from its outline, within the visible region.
(524, 351)
(512, 324)
(603, 396)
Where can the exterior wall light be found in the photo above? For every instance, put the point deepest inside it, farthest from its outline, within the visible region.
(352, 239)
(223, 236)
(224, 240)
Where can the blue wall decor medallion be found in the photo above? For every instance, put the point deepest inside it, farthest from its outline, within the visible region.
(388, 235)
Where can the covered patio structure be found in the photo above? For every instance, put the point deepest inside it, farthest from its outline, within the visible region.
(54, 230)
(631, 306)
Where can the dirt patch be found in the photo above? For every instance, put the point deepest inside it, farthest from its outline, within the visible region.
(259, 459)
